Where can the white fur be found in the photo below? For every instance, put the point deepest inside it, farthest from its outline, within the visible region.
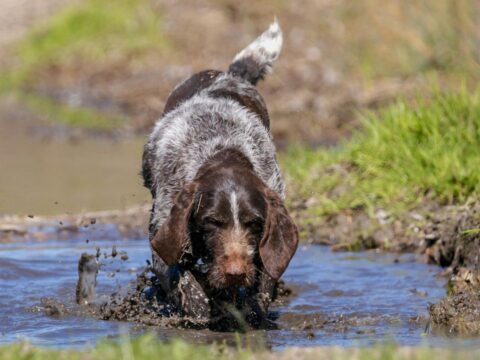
(234, 210)
(265, 49)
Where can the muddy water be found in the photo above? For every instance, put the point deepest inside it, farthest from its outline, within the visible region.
(338, 298)
(43, 174)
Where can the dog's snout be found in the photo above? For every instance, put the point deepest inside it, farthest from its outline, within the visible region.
(235, 272)
(235, 268)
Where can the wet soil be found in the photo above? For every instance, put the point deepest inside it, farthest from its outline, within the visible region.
(457, 246)
(336, 298)
(111, 225)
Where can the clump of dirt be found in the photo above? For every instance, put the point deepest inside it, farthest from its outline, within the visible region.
(455, 239)
(457, 313)
(305, 322)
(87, 278)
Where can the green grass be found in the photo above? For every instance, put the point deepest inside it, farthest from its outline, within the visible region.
(147, 347)
(401, 156)
(91, 31)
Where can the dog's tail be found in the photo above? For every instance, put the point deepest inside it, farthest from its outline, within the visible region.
(256, 60)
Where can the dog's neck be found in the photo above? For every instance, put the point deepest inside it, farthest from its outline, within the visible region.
(226, 159)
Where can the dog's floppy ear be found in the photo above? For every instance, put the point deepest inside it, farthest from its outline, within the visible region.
(280, 238)
(172, 237)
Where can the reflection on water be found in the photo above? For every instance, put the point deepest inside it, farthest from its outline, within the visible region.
(54, 175)
(359, 301)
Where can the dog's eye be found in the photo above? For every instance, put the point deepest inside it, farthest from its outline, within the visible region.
(213, 221)
(256, 224)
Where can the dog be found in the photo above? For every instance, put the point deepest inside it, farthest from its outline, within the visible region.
(218, 208)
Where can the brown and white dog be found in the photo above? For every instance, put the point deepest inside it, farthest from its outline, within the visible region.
(217, 191)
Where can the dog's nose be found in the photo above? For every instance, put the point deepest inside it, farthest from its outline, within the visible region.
(235, 272)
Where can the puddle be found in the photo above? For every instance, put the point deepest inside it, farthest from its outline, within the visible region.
(337, 299)
(53, 175)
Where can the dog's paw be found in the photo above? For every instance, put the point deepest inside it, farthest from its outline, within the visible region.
(193, 300)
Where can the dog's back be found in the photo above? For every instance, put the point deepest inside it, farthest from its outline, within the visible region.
(209, 112)
(250, 65)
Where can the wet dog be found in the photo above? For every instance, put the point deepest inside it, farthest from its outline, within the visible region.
(210, 165)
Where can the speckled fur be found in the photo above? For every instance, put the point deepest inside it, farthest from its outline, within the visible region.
(195, 130)
(193, 133)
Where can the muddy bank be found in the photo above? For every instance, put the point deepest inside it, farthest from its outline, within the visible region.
(458, 247)
(130, 223)
(448, 236)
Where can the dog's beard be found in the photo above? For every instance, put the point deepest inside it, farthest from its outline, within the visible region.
(217, 278)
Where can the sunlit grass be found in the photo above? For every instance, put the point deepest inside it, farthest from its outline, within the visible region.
(401, 156)
(148, 347)
(88, 31)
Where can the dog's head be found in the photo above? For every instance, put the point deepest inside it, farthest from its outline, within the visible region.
(234, 223)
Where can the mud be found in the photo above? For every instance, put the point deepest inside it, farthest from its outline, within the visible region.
(457, 314)
(87, 279)
(145, 303)
(130, 223)
(456, 245)
(185, 306)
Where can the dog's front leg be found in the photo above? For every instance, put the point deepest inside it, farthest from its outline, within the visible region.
(194, 303)
(260, 300)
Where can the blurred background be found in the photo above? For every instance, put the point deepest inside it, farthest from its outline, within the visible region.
(82, 82)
